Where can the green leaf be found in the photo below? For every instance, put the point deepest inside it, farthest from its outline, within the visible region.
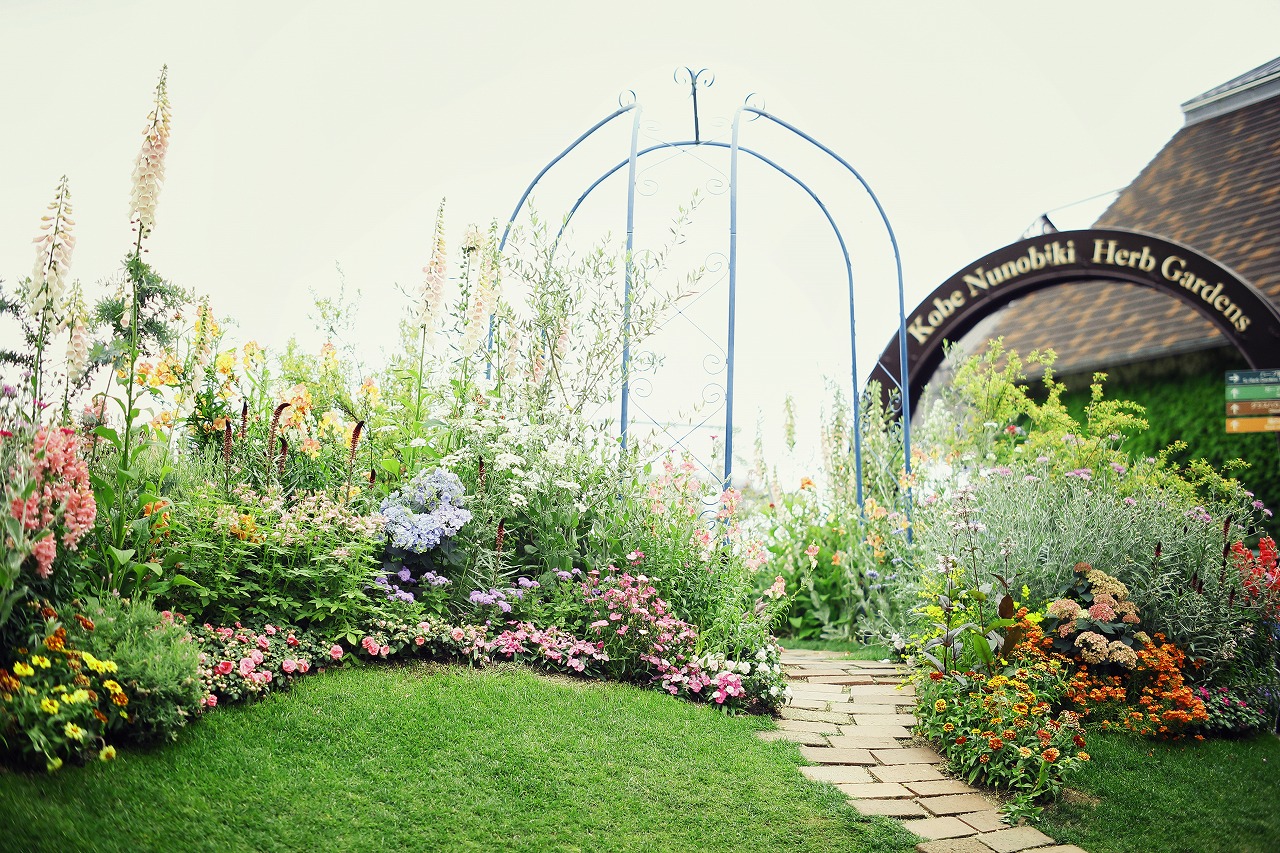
(122, 557)
(391, 466)
(108, 433)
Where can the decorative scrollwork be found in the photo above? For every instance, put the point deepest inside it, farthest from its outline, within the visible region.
(716, 185)
(694, 78)
(756, 102)
(713, 363)
(713, 392)
(647, 187)
(627, 98)
(641, 387)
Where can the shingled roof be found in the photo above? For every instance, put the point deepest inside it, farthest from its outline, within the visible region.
(1215, 186)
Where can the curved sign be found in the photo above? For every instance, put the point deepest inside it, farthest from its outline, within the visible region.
(1248, 319)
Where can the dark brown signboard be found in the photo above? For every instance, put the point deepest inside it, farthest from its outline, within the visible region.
(1242, 313)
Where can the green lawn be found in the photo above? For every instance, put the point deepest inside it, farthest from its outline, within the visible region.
(424, 757)
(1140, 796)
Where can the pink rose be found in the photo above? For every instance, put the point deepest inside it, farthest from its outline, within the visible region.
(255, 656)
(303, 666)
(336, 652)
(292, 640)
(419, 640)
(289, 665)
(270, 630)
(246, 666)
(224, 667)
(384, 651)
(211, 701)
(264, 643)
(267, 675)
(456, 634)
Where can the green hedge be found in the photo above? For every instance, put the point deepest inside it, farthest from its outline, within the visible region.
(1185, 399)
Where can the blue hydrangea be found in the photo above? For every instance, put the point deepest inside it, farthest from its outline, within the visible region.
(424, 512)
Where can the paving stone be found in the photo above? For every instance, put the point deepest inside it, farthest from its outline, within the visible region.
(937, 787)
(907, 773)
(841, 679)
(809, 738)
(818, 691)
(840, 773)
(860, 719)
(1060, 848)
(811, 672)
(864, 689)
(816, 716)
(875, 790)
(874, 730)
(884, 696)
(870, 664)
(987, 820)
(952, 804)
(829, 755)
(907, 755)
(809, 726)
(861, 742)
(1015, 839)
(953, 845)
(939, 827)
(892, 808)
(874, 709)
(809, 704)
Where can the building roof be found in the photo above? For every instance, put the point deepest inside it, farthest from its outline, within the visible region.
(1215, 186)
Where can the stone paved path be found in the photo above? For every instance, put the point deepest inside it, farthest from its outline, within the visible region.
(853, 720)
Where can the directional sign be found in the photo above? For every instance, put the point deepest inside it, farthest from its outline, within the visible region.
(1248, 408)
(1253, 377)
(1253, 392)
(1253, 425)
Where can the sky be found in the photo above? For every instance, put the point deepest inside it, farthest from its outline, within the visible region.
(308, 136)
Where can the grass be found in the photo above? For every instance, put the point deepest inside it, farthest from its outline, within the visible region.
(856, 651)
(425, 757)
(1138, 795)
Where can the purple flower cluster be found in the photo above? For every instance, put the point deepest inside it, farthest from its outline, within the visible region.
(419, 516)
(393, 584)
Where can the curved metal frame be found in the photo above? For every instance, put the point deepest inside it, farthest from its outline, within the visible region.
(734, 148)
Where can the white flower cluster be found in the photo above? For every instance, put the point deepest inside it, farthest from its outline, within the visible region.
(432, 291)
(148, 168)
(53, 257)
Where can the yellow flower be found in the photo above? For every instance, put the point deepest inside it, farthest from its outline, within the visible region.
(107, 753)
(21, 669)
(77, 697)
(226, 362)
(940, 705)
(42, 662)
(111, 685)
(74, 732)
(49, 706)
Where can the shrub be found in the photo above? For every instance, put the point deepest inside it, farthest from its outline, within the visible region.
(241, 662)
(158, 662)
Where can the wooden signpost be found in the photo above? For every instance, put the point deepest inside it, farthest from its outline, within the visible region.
(1253, 401)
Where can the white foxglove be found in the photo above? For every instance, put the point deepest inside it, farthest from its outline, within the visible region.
(148, 168)
(432, 292)
(53, 257)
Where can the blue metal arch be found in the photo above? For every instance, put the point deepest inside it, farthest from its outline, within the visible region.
(735, 147)
(844, 249)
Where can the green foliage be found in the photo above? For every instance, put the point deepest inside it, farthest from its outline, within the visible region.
(158, 665)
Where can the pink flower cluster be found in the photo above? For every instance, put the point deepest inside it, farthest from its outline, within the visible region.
(240, 662)
(551, 647)
(63, 495)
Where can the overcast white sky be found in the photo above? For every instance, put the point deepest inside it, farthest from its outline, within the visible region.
(309, 134)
